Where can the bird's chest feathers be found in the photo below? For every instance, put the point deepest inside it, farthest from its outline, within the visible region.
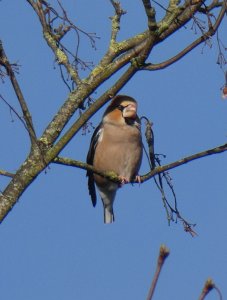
(121, 149)
(119, 136)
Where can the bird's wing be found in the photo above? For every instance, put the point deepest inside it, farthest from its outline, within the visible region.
(90, 159)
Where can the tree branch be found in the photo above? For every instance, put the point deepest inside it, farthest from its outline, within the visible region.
(208, 287)
(116, 20)
(176, 17)
(163, 254)
(5, 173)
(158, 170)
(26, 114)
(133, 51)
(54, 151)
(150, 11)
(12, 109)
(212, 30)
(53, 40)
(102, 72)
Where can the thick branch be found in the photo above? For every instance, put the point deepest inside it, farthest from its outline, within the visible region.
(102, 72)
(176, 17)
(90, 112)
(97, 77)
(201, 39)
(100, 78)
(26, 114)
(133, 51)
(25, 175)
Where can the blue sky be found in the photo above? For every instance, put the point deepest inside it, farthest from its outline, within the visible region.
(54, 244)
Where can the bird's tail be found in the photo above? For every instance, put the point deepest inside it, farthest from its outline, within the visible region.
(108, 194)
(108, 214)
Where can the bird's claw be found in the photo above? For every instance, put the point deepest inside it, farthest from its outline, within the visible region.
(123, 180)
(138, 179)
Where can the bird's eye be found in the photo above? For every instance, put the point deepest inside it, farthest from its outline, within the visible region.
(121, 107)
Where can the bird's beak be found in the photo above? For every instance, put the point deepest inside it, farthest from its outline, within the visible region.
(130, 111)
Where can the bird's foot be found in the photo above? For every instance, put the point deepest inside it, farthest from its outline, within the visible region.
(138, 179)
(123, 180)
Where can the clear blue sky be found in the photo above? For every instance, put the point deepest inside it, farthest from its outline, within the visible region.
(54, 245)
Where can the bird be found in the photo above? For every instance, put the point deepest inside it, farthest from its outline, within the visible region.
(116, 145)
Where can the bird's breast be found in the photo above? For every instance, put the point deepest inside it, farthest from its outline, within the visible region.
(119, 149)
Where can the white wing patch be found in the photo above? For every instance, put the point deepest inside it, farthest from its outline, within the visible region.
(100, 135)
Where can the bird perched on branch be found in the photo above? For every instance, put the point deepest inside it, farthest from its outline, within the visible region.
(116, 145)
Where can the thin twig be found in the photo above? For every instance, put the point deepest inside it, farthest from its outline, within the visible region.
(6, 173)
(208, 287)
(163, 254)
(26, 113)
(157, 170)
(42, 9)
(170, 210)
(12, 109)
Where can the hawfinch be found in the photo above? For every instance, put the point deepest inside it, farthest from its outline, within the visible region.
(116, 145)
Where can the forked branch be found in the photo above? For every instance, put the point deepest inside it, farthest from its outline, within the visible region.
(132, 52)
(208, 287)
(203, 38)
(54, 35)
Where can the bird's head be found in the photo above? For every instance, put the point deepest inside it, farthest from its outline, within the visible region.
(121, 109)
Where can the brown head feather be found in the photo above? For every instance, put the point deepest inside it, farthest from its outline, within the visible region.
(117, 100)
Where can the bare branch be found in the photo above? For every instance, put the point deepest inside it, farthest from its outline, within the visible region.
(12, 109)
(54, 151)
(173, 214)
(163, 254)
(150, 11)
(209, 8)
(208, 287)
(133, 51)
(140, 46)
(5, 173)
(26, 114)
(212, 30)
(99, 74)
(176, 17)
(158, 170)
(52, 38)
(78, 164)
(116, 20)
